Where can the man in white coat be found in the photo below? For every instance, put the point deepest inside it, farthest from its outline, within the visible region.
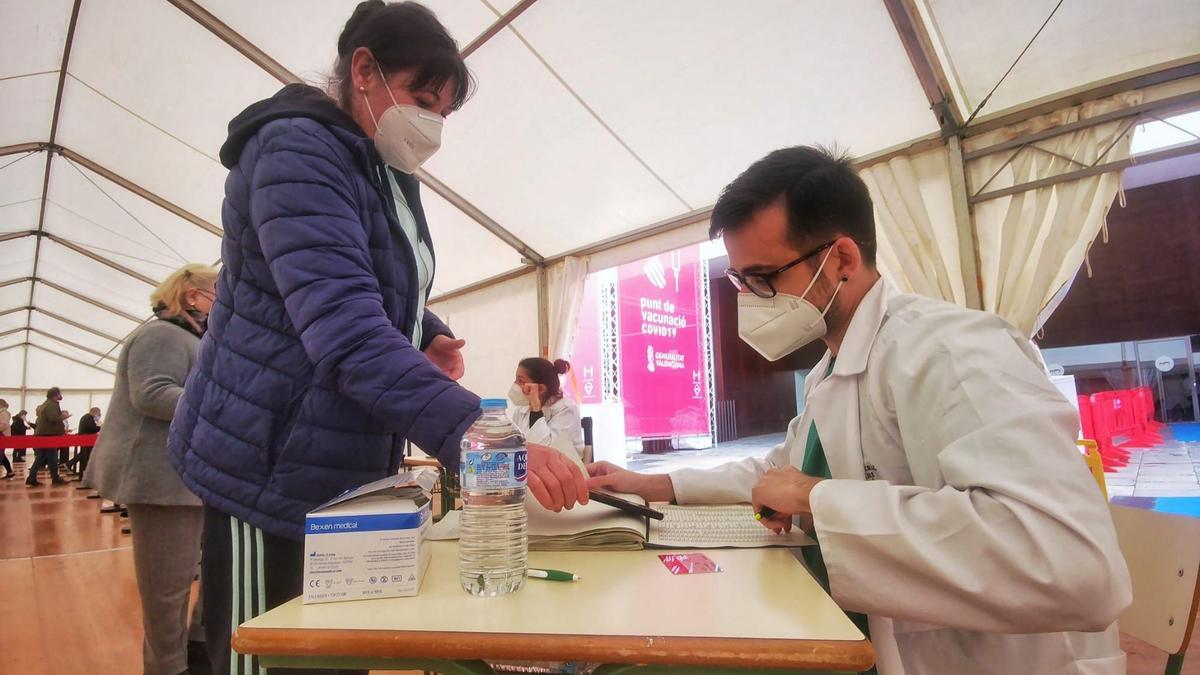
(935, 462)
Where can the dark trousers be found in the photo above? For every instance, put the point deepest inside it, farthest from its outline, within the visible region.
(19, 454)
(271, 567)
(80, 461)
(44, 457)
(4, 462)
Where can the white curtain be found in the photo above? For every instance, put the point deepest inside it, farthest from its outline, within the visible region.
(1032, 243)
(566, 281)
(914, 222)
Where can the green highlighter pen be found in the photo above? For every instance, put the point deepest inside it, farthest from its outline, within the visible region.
(551, 575)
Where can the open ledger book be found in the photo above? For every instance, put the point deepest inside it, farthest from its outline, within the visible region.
(597, 527)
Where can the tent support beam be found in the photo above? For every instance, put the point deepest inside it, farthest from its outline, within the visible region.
(1192, 148)
(13, 330)
(75, 324)
(58, 97)
(543, 310)
(234, 39)
(480, 217)
(483, 283)
(69, 358)
(91, 301)
(1189, 67)
(21, 147)
(964, 220)
(1163, 107)
(14, 310)
(494, 29)
(926, 66)
(69, 343)
(13, 282)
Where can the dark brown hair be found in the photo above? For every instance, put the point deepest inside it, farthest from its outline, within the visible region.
(542, 371)
(403, 36)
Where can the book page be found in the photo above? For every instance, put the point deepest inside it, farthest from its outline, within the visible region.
(717, 526)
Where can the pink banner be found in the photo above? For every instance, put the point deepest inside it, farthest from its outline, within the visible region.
(663, 382)
(583, 383)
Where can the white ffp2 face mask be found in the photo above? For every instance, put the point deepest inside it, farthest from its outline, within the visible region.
(517, 395)
(775, 327)
(406, 135)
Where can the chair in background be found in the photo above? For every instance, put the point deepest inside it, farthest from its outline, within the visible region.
(1163, 555)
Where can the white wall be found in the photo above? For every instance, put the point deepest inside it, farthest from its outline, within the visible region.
(500, 325)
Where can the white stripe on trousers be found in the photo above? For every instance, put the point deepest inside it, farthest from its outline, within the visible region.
(249, 588)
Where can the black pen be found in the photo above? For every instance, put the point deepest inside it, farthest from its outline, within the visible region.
(765, 513)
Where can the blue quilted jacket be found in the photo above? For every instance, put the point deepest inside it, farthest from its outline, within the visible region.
(306, 383)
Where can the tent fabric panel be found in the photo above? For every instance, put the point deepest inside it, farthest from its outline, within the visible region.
(102, 132)
(1085, 42)
(21, 190)
(302, 34)
(86, 313)
(14, 320)
(28, 108)
(190, 92)
(500, 326)
(527, 154)
(50, 370)
(466, 253)
(90, 210)
(32, 36)
(70, 269)
(68, 332)
(16, 257)
(11, 363)
(700, 89)
(55, 345)
(16, 295)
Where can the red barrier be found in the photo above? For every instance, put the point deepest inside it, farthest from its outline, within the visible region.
(40, 442)
(1119, 421)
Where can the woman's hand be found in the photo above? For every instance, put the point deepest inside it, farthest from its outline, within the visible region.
(554, 481)
(534, 396)
(649, 486)
(446, 354)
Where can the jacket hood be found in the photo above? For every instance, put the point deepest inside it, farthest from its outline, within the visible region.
(294, 100)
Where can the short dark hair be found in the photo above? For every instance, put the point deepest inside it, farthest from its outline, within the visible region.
(822, 194)
(53, 391)
(402, 36)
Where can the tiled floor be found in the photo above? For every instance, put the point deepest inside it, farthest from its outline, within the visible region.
(1170, 470)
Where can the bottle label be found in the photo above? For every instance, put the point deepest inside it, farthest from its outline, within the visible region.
(494, 469)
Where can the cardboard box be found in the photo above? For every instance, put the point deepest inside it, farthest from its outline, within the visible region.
(370, 542)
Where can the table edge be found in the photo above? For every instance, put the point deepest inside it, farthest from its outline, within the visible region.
(857, 655)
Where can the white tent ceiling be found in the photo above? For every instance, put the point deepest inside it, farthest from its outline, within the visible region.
(592, 120)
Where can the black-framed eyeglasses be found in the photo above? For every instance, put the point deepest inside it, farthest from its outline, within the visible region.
(762, 283)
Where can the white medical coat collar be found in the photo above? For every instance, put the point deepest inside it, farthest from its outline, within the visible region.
(860, 336)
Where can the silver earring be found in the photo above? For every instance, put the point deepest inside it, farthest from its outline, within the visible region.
(362, 89)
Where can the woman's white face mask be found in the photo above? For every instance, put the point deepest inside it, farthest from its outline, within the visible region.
(517, 395)
(405, 135)
(778, 326)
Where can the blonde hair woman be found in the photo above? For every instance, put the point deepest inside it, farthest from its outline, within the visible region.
(130, 466)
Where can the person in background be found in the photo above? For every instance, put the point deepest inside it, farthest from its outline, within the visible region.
(51, 421)
(5, 430)
(542, 413)
(20, 427)
(88, 424)
(130, 463)
(321, 358)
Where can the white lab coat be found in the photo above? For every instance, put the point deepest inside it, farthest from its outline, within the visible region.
(960, 517)
(560, 420)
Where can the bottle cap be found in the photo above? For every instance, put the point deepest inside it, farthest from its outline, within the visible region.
(494, 403)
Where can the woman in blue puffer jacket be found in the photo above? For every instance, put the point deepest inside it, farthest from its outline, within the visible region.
(320, 357)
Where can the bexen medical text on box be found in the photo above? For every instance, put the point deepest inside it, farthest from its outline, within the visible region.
(369, 542)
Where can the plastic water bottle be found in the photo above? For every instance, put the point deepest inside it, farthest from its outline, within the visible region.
(493, 543)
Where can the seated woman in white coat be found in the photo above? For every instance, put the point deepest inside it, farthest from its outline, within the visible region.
(541, 412)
